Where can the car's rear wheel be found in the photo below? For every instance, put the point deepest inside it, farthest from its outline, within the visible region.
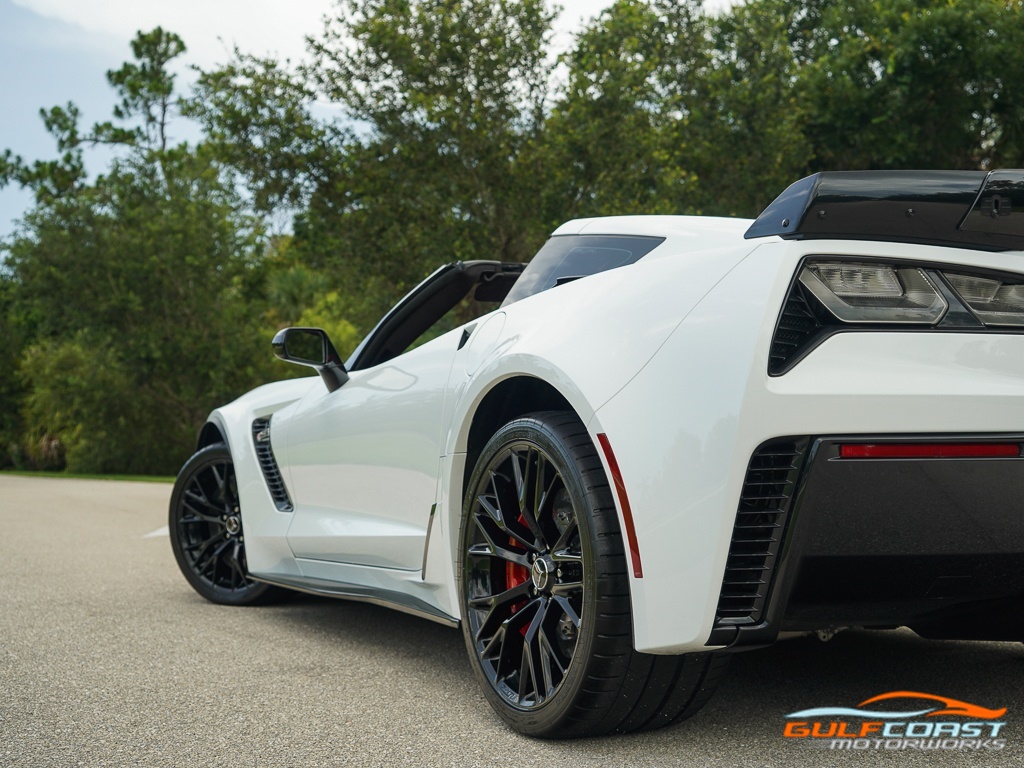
(205, 525)
(545, 593)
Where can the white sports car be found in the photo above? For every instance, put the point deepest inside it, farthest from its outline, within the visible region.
(671, 438)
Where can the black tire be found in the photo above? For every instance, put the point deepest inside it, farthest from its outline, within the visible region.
(206, 531)
(553, 653)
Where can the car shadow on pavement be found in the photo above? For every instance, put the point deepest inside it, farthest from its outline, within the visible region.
(749, 708)
(398, 635)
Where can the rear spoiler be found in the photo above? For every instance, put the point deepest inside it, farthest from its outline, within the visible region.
(961, 209)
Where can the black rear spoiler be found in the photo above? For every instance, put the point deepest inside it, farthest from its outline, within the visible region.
(961, 209)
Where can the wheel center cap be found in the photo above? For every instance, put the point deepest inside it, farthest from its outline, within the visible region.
(233, 525)
(540, 573)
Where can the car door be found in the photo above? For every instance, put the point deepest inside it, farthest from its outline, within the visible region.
(363, 460)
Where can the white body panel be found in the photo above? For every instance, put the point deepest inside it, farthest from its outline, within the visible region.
(684, 428)
(266, 549)
(668, 357)
(362, 462)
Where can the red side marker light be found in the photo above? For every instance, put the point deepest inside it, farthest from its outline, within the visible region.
(929, 450)
(627, 513)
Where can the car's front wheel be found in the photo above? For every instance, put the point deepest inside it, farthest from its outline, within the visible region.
(205, 525)
(545, 593)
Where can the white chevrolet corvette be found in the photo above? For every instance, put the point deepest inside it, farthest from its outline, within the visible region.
(671, 437)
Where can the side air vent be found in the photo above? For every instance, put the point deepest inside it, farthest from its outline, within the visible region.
(797, 326)
(760, 524)
(265, 456)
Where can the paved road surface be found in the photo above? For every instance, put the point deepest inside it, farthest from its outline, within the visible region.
(107, 658)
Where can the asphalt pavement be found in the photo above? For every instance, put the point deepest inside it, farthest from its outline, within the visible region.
(108, 658)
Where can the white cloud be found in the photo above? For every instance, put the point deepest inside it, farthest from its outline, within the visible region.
(210, 28)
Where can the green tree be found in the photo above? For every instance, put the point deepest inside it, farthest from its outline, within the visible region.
(256, 114)
(909, 83)
(136, 291)
(612, 144)
(448, 99)
(11, 390)
(744, 120)
(444, 105)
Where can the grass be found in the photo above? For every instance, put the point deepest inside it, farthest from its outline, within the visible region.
(86, 476)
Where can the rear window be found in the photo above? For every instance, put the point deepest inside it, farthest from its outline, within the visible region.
(566, 257)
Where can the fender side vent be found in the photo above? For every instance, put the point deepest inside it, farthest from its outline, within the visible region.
(265, 456)
(757, 534)
(798, 325)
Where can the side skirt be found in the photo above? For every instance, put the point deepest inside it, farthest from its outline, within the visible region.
(387, 599)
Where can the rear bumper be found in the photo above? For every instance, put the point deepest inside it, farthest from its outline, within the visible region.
(936, 544)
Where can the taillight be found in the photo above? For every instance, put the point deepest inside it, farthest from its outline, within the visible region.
(874, 293)
(929, 450)
(993, 301)
(831, 295)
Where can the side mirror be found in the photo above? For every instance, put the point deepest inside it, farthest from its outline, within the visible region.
(313, 348)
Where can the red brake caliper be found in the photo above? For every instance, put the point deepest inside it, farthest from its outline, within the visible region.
(515, 575)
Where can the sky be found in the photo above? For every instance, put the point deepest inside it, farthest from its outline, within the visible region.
(56, 51)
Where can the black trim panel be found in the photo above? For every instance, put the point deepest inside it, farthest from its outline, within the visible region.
(760, 526)
(960, 209)
(936, 544)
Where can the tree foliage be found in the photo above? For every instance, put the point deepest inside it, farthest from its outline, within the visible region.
(612, 144)
(910, 83)
(449, 97)
(130, 291)
(419, 132)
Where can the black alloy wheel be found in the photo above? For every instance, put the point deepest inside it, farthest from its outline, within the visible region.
(524, 575)
(205, 524)
(545, 593)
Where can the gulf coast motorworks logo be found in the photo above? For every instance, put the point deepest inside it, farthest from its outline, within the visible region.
(926, 722)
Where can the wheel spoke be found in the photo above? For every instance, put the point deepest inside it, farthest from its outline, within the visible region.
(493, 510)
(190, 499)
(511, 642)
(200, 516)
(543, 496)
(195, 491)
(548, 656)
(561, 551)
(238, 575)
(493, 550)
(498, 606)
(532, 668)
(219, 479)
(507, 641)
(527, 506)
(211, 560)
(566, 556)
(509, 595)
(494, 645)
(568, 610)
(203, 545)
(566, 587)
(230, 491)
